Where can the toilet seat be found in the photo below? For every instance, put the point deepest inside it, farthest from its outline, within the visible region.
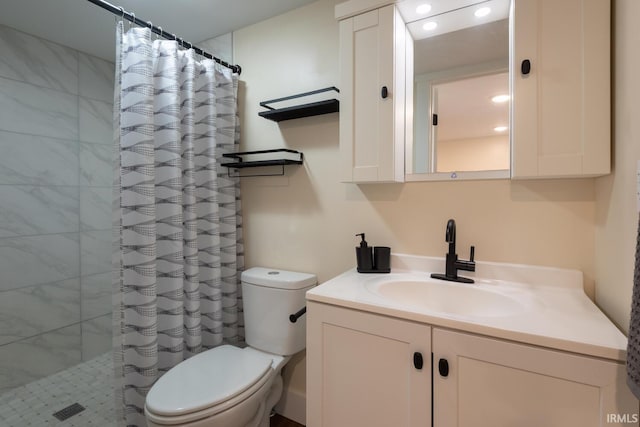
(208, 383)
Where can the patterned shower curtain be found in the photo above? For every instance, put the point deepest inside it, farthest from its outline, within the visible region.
(177, 228)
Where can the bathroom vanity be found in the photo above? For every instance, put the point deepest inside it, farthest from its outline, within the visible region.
(523, 346)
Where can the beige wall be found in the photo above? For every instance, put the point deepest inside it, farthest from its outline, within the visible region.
(616, 209)
(307, 220)
(474, 154)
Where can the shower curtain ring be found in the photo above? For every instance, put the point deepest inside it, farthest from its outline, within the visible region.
(121, 14)
(132, 21)
(150, 24)
(160, 29)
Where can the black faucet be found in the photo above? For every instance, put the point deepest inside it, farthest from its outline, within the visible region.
(453, 264)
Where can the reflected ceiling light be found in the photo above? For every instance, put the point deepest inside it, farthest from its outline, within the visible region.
(430, 26)
(423, 9)
(500, 128)
(500, 98)
(483, 11)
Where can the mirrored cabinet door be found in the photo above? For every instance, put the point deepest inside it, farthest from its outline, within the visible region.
(461, 97)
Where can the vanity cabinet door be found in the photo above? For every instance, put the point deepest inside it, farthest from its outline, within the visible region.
(494, 383)
(372, 96)
(366, 370)
(561, 109)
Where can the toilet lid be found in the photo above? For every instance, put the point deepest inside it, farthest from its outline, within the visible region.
(207, 379)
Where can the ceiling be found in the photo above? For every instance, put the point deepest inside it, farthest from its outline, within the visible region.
(84, 26)
(446, 16)
(472, 45)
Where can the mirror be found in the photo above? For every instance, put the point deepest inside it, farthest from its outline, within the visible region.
(461, 63)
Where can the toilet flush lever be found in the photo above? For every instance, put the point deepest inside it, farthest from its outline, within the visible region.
(293, 318)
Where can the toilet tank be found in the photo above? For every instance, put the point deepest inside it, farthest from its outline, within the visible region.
(269, 297)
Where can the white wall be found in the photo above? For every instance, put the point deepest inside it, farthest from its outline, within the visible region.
(307, 220)
(616, 213)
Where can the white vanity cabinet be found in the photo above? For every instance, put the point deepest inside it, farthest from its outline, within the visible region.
(375, 57)
(561, 107)
(361, 372)
(361, 369)
(494, 383)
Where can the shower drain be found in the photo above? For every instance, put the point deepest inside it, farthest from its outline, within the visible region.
(69, 411)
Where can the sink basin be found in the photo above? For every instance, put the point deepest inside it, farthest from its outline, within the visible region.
(446, 297)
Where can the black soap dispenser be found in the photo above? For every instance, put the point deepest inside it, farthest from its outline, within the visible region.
(364, 256)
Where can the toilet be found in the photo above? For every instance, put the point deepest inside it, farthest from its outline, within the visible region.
(228, 386)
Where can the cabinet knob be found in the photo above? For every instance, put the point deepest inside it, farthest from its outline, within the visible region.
(443, 367)
(418, 361)
(384, 92)
(525, 67)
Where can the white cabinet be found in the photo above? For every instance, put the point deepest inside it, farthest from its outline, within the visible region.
(494, 383)
(561, 103)
(375, 58)
(361, 372)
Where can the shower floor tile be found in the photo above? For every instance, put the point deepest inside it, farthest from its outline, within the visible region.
(88, 384)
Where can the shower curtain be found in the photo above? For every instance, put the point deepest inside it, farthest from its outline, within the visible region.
(177, 252)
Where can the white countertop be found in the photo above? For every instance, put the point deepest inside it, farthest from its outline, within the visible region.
(556, 312)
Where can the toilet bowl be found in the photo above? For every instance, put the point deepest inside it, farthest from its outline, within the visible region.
(231, 386)
(225, 386)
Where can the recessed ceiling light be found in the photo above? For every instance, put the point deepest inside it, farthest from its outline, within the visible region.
(500, 98)
(483, 11)
(423, 9)
(500, 128)
(430, 26)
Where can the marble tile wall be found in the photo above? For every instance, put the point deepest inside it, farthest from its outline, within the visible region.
(55, 209)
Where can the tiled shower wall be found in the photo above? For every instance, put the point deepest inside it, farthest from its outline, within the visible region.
(55, 220)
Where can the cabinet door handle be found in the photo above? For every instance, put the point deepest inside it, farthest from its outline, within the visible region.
(443, 367)
(418, 361)
(384, 92)
(525, 67)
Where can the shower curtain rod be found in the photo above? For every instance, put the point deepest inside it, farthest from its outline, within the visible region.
(157, 30)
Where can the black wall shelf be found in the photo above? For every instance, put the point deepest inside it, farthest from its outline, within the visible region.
(302, 110)
(241, 163)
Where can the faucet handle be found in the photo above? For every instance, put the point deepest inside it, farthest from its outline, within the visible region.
(472, 253)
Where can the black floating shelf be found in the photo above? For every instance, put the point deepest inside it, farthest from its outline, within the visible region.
(302, 110)
(241, 163)
(261, 163)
